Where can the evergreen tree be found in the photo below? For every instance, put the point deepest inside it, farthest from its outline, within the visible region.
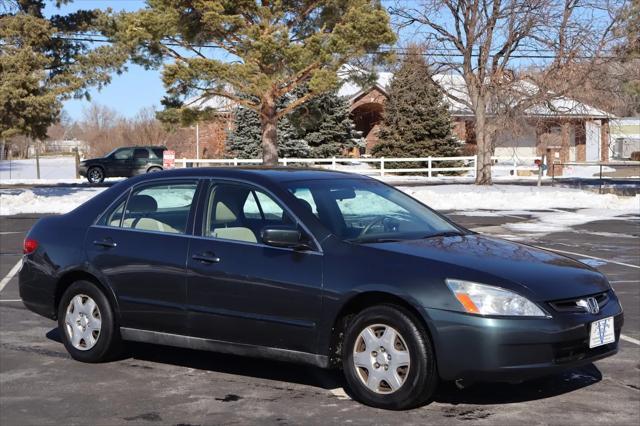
(277, 47)
(326, 126)
(320, 128)
(244, 140)
(416, 121)
(43, 62)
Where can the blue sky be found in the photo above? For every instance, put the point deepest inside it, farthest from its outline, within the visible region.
(128, 92)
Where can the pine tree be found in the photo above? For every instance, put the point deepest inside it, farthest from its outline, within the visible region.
(244, 140)
(320, 128)
(277, 46)
(416, 121)
(326, 126)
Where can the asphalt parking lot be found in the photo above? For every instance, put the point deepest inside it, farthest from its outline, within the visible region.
(40, 384)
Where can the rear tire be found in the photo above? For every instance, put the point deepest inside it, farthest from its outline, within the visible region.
(388, 359)
(154, 169)
(95, 175)
(87, 324)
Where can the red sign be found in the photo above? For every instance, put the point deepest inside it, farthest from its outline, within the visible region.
(168, 159)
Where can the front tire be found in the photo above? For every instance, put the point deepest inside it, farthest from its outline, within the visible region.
(388, 359)
(87, 324)
(95, 175)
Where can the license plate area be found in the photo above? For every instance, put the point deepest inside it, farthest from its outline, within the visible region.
(601, 332)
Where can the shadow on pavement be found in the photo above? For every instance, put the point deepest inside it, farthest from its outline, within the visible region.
(505, 393)
(447, 393)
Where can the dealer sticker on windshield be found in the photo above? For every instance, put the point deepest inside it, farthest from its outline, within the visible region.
(602, 332)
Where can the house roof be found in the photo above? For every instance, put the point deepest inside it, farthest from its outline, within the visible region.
(454, 84)
(560, 106)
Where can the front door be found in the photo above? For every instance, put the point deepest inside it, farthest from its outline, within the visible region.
(593, 140)
(140, 247)
(121, 163)
(240, 290)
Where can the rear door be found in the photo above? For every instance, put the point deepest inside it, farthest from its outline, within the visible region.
(241, 290)
(140, 160)
(140, 246)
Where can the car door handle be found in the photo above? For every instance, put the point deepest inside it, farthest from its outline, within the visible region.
(108, 243)
(206, 258)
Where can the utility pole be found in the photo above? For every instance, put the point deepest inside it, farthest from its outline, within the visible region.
(197, 141)
(37, 159)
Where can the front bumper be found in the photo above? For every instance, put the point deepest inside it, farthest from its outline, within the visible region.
(477, 348)
(82, 170)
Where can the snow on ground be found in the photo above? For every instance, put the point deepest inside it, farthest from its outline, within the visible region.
(58, 168)
(516, 197)
(43, 200)
(544, 204)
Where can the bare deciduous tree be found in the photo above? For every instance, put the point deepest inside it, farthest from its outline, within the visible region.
(510, 53)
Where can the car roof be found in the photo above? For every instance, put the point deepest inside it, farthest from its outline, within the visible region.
(272, 174)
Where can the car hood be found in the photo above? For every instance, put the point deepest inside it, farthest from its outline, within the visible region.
(538, 274)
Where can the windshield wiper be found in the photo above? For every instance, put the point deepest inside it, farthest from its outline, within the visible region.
(444, 234)
(374, 240)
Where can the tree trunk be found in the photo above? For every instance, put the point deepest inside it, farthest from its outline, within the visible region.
(269, 125)
(483, 139)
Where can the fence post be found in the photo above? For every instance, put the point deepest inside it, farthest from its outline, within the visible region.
(429, 165)
(515, 167)
(381, 166)
(284, 161)
(333, 163)
(235, 161)
(475, 166)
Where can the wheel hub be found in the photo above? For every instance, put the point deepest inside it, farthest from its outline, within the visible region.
(381, 358)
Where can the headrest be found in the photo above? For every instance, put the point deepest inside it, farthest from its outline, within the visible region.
(224, 213)
(142, 204)
(306, 205)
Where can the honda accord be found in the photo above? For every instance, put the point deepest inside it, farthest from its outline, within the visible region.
(320, 267)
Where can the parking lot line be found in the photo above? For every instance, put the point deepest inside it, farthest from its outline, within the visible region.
(591, 257)
(11, 274)
(11, 300)
(629, 339)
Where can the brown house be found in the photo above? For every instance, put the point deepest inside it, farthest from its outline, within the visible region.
(566, 129)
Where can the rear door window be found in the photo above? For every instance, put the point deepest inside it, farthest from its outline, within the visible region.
(160, 207)
(140, 153)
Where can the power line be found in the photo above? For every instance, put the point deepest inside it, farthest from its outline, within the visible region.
(437, 51)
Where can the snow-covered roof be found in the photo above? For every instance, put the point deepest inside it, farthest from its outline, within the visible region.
(455, 85)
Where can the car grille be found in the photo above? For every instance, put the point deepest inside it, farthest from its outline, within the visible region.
(571, 305)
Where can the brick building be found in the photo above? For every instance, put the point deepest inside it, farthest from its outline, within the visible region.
(567, 129)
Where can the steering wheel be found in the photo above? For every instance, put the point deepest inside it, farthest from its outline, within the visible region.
(379, 219)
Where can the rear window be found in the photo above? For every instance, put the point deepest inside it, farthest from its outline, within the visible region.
(157, 152)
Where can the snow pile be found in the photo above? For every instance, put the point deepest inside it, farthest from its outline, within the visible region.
(43, 200)
(517, 197)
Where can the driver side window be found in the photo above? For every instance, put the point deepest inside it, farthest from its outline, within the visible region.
(239, 212)
(123, 154)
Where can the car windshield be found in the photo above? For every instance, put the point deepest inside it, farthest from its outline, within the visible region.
(367, 211)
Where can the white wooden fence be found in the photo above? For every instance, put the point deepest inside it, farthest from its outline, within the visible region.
(385, 165)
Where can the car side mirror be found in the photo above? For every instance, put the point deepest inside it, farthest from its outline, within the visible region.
(284, 236)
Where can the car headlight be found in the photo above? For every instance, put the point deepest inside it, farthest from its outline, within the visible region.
(481, 299)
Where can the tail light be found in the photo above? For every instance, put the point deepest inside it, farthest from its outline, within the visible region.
(29, 246)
